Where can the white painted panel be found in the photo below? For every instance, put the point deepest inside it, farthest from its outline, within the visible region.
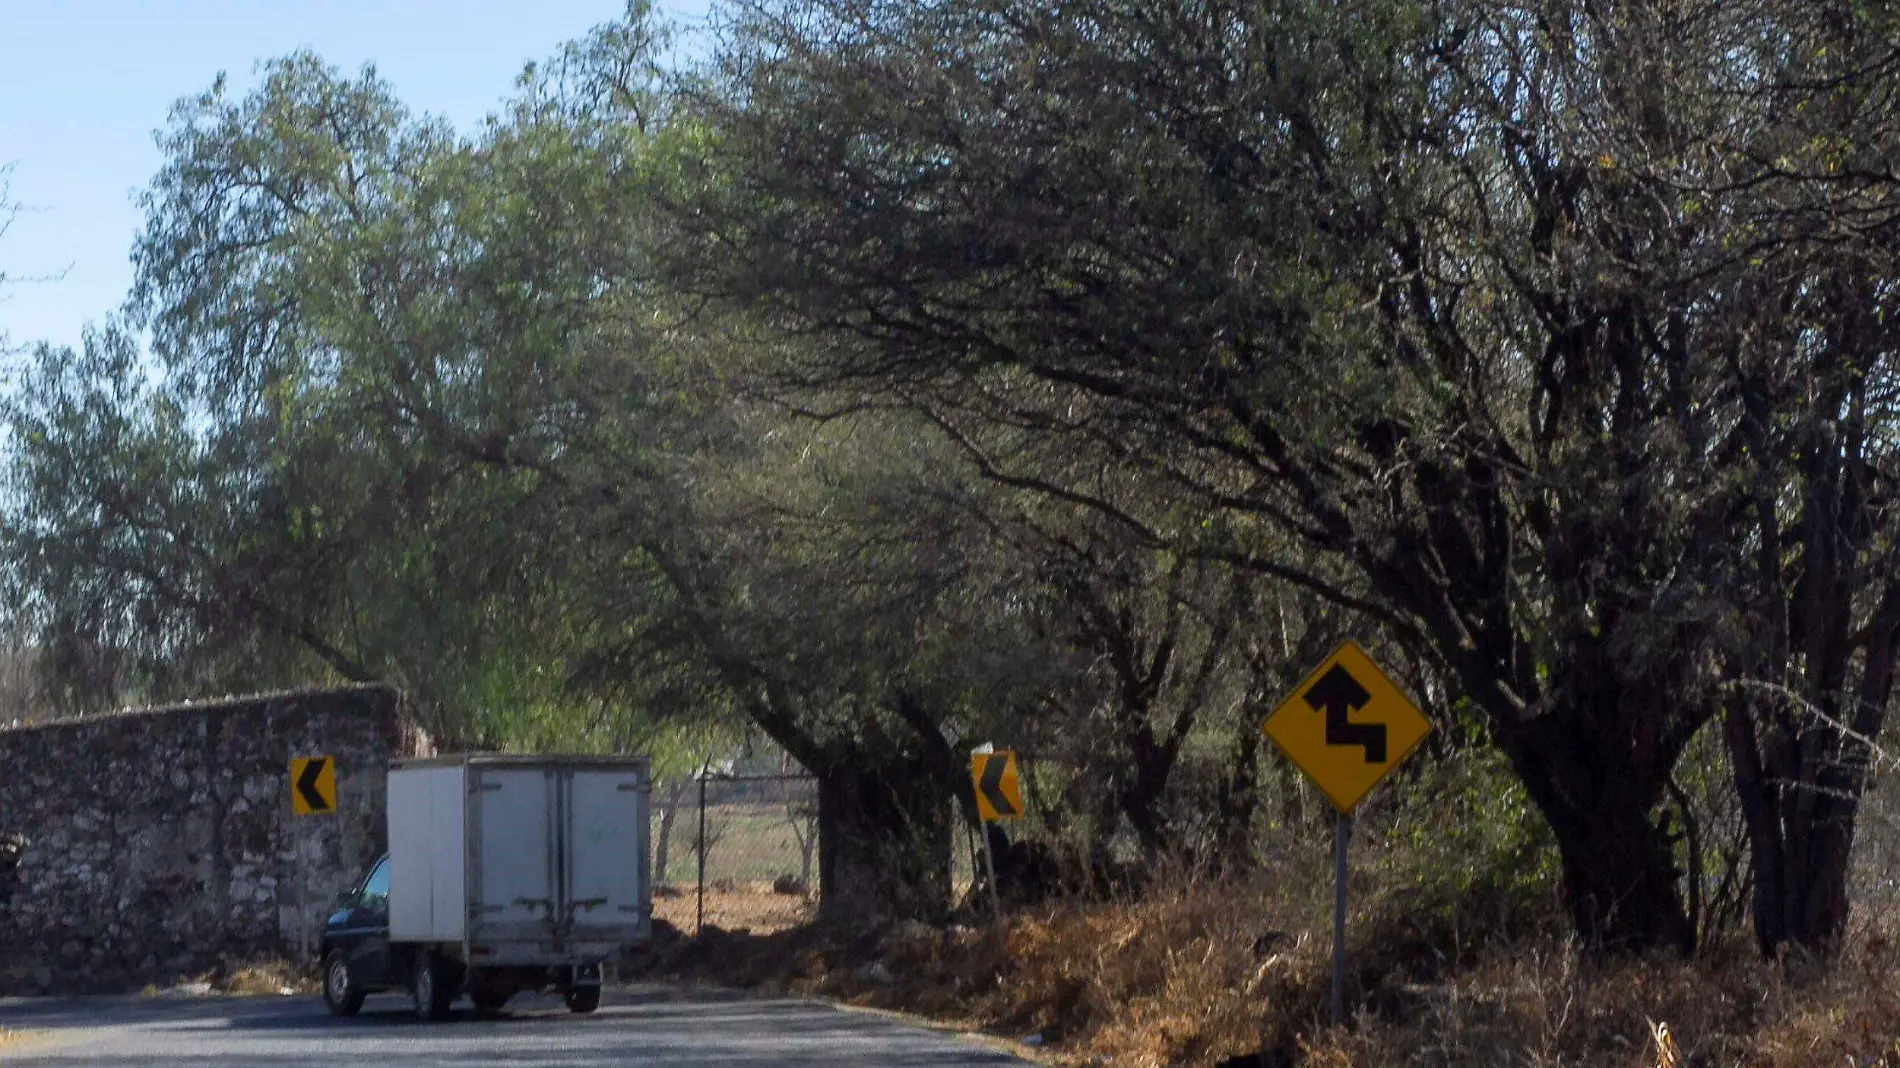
(408, 816)
(516, 880)
(449, 891)
(606, 853)
(426, 835)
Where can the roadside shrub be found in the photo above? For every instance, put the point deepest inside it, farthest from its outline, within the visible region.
(1454, 860)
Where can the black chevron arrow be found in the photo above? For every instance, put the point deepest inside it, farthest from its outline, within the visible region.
(992, 786)
(1337, 693)
(307, 785)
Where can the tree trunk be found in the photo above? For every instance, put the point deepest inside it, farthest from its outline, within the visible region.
(1236, 804)
(1801, 820)
(883, 842)
(669, 811)
(806, 846)
(1800, 878)
(1620, 879)
(1800, 741)
(802, 815)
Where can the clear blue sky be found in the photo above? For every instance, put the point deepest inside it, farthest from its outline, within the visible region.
(84, 83)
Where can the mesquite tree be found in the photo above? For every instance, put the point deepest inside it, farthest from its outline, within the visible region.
(1808, 180)
(1444, 313)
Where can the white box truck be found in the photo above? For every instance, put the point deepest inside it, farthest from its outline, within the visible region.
(504, 874)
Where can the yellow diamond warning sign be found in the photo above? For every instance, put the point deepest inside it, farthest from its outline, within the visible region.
(1346, 725)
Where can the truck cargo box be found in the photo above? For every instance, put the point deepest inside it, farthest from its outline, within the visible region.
(519, 858)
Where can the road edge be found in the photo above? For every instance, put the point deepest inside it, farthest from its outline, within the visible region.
(997, 1043)
(1022, 1051)
(12, 1042)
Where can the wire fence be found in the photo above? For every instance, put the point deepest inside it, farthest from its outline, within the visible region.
(741, 852)
(736, 852)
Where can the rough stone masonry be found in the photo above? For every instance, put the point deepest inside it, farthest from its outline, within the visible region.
(161, 842)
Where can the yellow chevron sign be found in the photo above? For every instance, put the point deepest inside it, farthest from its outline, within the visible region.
(312, 785)
(999, 795)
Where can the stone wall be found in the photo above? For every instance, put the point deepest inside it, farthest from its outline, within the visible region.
(161, 842)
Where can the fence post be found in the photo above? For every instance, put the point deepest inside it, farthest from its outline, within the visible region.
(699, 923)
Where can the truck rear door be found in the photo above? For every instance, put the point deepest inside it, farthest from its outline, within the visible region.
(515, 891)
(606, 854)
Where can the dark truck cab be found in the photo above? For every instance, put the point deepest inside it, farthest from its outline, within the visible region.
(355, 946)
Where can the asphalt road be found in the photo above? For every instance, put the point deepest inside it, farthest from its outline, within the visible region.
(643, 1025)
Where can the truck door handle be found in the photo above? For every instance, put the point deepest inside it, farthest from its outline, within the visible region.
(587, 903)
(535, 903)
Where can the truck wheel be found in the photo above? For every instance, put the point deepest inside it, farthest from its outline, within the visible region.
(583, 999)
(430, 988)
(341, 995)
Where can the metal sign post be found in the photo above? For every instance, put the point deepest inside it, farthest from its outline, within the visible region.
(312, 793)
(989, 865)
(1342, 835)
(304, 945)
(1346, 725)
(699, 919)
(998, 797)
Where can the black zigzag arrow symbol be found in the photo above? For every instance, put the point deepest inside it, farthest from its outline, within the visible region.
(1337, 693)
(307, 785)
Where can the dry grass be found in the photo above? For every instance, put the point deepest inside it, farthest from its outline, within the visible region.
(261, 977)
(1729, 1008)
(17, 1041)
(265, 977)
(1457, 948)
(1173, 979)
(1194, 977)
(753, 907)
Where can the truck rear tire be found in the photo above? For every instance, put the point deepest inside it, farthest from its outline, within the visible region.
(341, 995)
(583, 999)
(430, 987)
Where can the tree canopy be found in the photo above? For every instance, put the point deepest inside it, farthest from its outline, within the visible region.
(1481, 320)
(912, 375)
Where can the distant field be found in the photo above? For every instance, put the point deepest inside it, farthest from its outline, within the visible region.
(751, 844)
(758, 843)
(746, 843)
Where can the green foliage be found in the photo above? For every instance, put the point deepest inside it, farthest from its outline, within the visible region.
(1067, 376)
(1460, 858)
(1403, 307)
(386, 360)
(1704, 812)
